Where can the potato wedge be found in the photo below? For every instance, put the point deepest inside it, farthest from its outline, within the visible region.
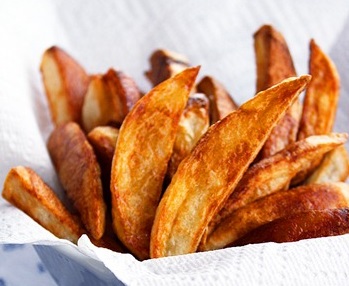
(143, 149)
(65, 83)
(321, 97)
(273, 59)
(79, 173)
(165, 64)
(320, 102)
(274, 173)
(206, 178)
(27, 191)
(221, 102)
(333, 168)
(108, 99)
(193, 123)
(274, 206)
(103, 140)
(298, 226)
(274, 64)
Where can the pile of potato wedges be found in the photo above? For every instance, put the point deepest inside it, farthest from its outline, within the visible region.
(185, 168)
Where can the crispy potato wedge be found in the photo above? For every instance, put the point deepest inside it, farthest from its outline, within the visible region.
(193, 123)
(333, 168)
(206, 178)
(103, 140)
(274, 64)
(79, 173)
(273, 59)
(298, 226)
(274, 173)
(321, 97)
(27, 191)
(108, 99)
(274, 206)
(221, 102)
(320, 102)
(143, 149)
(165, 64)
(65, 83)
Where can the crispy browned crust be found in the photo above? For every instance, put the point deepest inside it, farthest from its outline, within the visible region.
(206, 178)
(321, 98)
(65, 83)
(221, 102)
(274, 173)
(274, 64)
(79, 173)
(165, 64)
(27, 191)
(303, 225)
(334, 167)
(273, 58)
(274, 206)
(193, 123)
(103, 140)
(143, 149)
(320, 102)
(108, 99)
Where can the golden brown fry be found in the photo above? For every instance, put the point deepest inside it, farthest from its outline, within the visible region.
(273, 58)
(192, 125)
(27, 191)
(303, 225)
(274, 64)
(165, 64)
(65, 84)
(274, 206)
(274, 173)
(320, 102)
(221, 103)
(108, 99)
(141, 156)
(321, 98)
(103, 140)
(79, 173)
(206, 178)
(333, 168)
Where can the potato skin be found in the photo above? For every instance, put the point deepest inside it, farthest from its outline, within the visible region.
(143, 149)
(320, 103)
(303, 225)
(80, 175)
(274, 206)
(321, 97)
(165, 64)
(274, 173)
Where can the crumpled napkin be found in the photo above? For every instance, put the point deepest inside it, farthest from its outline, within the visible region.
(122, 34)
